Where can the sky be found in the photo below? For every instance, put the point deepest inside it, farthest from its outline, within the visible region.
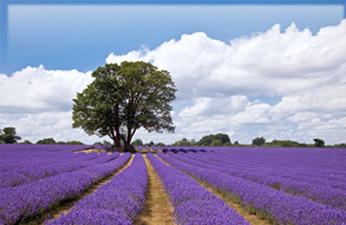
(277, 71)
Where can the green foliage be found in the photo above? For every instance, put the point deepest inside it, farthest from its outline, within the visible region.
(74, 142)
(160, 144)
(341, 145)
(151, 143)
(285, 143)
(49, 141)
(214, 140)
(27, 142)
(236, 143)
(137, 142)
(8, 135)
(258, 141)
(319, 143)
(184, 142)
(123, 98)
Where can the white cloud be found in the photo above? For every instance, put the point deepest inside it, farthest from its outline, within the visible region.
(35, 89)
(304, 72)
(271, 63)
(287, 84)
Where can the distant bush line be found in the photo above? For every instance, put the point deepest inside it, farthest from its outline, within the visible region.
(8, 135)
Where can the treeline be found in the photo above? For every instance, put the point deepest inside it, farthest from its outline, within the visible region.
(222, 139)
(8, 135)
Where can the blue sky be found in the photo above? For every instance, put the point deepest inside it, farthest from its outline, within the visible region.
(81, 36)
(245, 70)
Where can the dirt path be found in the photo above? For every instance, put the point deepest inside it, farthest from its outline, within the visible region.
(65, 206)
(251, 218)
(158, 209)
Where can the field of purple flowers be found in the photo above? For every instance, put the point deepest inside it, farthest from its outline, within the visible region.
(60, 184)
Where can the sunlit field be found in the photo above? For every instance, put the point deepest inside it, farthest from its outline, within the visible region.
(65, 184)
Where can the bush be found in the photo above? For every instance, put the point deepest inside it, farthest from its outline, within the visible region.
(46, 141)
(26, 142)
(214, 139)
(258, 141)
(137, 142)
(319, 143)
(285, 143)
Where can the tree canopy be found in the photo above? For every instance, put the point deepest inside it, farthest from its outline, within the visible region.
(123, 98)
(215, 140)
(46, 141)
(137, 142)
(259, 141)
(319, 143)
(8, 135)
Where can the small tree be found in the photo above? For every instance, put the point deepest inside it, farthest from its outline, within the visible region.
(319, 143)
(27, 142)
(46, 141)
(219, 139)
(137, 142)
(8, 135)
(183, 142)
(123, 98)
(74, 142)
(258, 141)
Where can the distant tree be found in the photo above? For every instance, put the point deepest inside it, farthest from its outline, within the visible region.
(46, 141)
(341, 145)
(8, 135)
(258, 141)
(137, 142)
(319, 143)
(183, 142)
(74, 142)
(106, 143)
(151, 143)
(236, 143)
(210, 140)
(123, 98)
(27, 142)
(61, 143)
(216, 142)
(285, 143)
(160, 144)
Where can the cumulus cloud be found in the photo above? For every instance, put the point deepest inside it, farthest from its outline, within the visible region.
(282, 83)
(271, 63)
(304, 72)
(38, 102)
(35, 89)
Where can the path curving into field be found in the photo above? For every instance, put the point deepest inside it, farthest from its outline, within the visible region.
(251, 218)
(158, 209)
(65, 206)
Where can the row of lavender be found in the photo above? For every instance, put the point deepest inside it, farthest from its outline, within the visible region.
(193, 204)
(116, 203)
(29, 170)
(275, 205)
(317, 187)
(45, 177)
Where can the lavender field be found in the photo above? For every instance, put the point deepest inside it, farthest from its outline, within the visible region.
(66, 184)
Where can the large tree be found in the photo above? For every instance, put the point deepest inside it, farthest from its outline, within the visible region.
(123, 98)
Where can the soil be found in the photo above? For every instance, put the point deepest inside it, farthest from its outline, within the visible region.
(158, 209)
